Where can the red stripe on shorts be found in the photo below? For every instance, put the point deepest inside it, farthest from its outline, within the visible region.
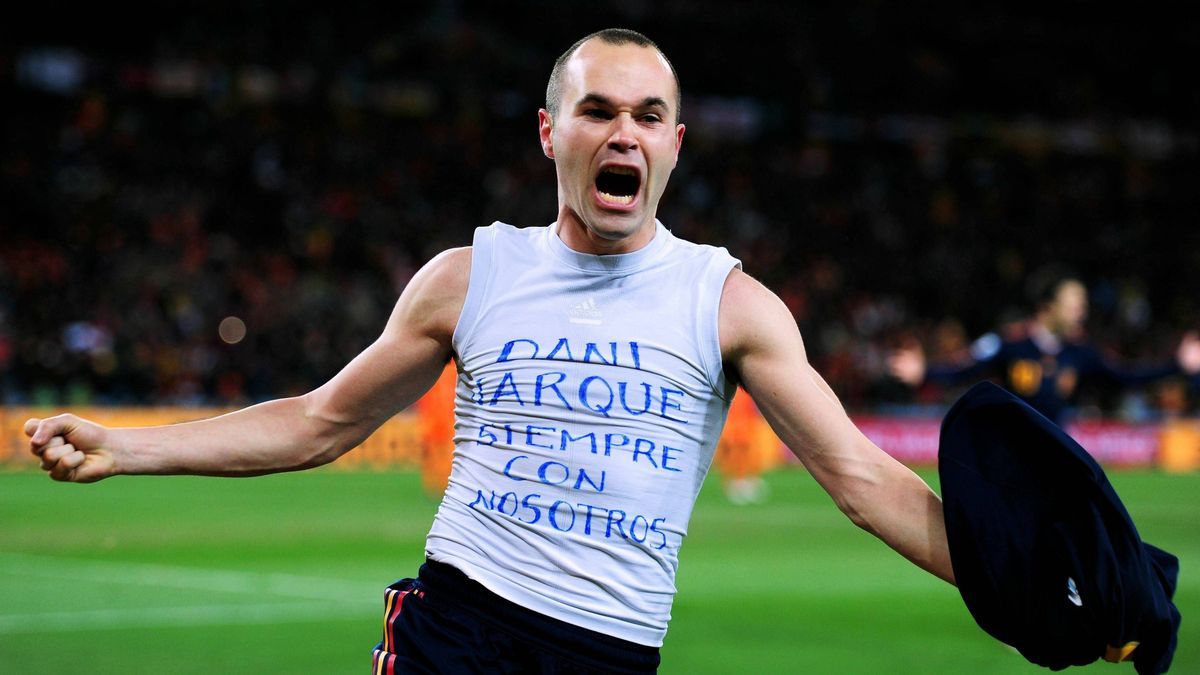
(388, 599)
(384, 660)
(396, 607)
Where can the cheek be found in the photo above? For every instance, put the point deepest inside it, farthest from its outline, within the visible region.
(569, 150)
(664, 162)
(574, 173)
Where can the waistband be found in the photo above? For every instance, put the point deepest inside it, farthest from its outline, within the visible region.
(606, 652)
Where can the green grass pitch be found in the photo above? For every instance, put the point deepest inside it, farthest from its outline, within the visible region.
(285, 573)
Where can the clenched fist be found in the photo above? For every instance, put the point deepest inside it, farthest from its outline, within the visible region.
(71, 448)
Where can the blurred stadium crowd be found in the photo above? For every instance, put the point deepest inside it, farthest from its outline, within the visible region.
(223, 207)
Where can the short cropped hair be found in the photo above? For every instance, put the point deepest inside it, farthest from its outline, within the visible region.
(612, 36)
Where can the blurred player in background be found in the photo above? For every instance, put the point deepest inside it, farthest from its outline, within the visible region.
(435, 412)
(747, 449)
(1046, 359)
(596, 360)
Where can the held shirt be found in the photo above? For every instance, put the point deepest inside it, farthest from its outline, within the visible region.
(590, 398)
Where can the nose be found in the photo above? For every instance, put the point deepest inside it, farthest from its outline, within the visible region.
(624, 137)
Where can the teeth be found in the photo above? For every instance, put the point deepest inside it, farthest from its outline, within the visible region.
(617, 199)
(621, 170)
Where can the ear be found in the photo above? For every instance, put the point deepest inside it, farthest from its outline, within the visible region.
(546, 132)
(679, 129)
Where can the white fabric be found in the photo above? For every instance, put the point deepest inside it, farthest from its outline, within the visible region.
(590, 398)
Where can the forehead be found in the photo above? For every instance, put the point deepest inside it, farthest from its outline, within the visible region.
(624, 73)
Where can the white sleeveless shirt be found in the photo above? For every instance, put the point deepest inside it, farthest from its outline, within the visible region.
(590, 398)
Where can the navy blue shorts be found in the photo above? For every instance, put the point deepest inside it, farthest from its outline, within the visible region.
(442, 622)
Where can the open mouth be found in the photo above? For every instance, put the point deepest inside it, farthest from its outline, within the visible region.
(618, 185)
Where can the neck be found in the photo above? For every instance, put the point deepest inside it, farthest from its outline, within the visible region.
(584, 238)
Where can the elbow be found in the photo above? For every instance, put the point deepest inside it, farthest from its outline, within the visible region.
(319, 454)
(327, 448)
(857, 494)
(327, 437)
(323, 449)
(855, 511)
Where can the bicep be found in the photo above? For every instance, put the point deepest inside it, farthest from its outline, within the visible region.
(406, 359)
(762, 346)
(764, 350)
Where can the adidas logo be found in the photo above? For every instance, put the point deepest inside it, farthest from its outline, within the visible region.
(586, 313)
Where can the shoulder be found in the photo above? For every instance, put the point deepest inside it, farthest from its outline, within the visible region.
(742, 288)
(446, 275)
(988, 346)
(679, 247)
(752, 318)
(434, 297)
(503, 243)
(503, 231)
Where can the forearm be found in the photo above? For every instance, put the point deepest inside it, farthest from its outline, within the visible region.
(877, 492)
(894, 504)
(953, 374)
(285, 434)
(1133, 377)
(279, 435)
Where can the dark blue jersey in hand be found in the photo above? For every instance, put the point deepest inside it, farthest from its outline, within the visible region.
(1046, 380)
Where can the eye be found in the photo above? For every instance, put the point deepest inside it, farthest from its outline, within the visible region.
(651, 118)
(596, 114)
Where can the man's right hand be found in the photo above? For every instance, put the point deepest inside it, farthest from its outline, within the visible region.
(71, 448)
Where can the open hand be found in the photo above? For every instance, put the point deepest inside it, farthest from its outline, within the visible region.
(1189, 353)
(907, 364)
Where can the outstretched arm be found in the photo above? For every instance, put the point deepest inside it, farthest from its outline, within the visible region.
(763, 349)
(1186, 362)
(285, 434)
(909, 365)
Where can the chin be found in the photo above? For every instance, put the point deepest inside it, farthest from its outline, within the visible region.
(616, 227)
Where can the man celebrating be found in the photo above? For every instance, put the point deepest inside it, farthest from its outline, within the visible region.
(1047, 358)
(596, 359)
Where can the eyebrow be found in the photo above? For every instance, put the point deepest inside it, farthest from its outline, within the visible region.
(600, 99)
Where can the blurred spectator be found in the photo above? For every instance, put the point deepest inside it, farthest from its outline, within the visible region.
(207, 166)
